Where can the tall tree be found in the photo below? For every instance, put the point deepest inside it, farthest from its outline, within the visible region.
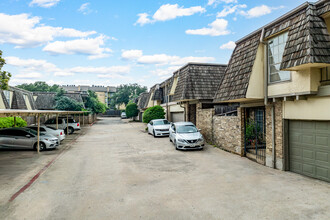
(126, 93)
(4, 75)
(40, 86)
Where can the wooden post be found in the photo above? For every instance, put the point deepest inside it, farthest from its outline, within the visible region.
(56, 121)
(83, 119)
(38, 144)
(79, 120)
(14, 121)
(67, 123)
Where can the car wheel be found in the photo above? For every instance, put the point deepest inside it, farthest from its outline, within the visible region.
(71, 130)
(154, 134)
(170, 139)
(42, 146)
(176, 146)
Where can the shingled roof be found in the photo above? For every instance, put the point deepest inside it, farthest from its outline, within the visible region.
(19, 98)
(236, 79)
(198, 81)
(45, 100)
(142, 100)
(308, 40)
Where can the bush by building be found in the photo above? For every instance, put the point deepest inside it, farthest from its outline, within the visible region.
(8, 122)
(155, 112)
(131, 110)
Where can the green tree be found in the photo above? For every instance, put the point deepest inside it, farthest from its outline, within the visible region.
(4, 75)
(93, 104)
(8, 122)
(40, 86)
(131, 110)
(155, 112)
(68, 104)
(126, 93)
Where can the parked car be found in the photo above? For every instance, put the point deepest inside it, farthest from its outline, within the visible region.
(59, 133)
(123, 115)
(26, 138)
(72, 125)
(159, 127)
(185, 136)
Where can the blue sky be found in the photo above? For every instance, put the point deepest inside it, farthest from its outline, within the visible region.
(118, 42)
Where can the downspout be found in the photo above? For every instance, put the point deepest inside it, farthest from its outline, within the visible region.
(266, 96)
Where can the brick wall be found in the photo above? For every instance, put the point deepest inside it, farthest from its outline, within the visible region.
(227, 133)
(223, 131)
(278, 135)
(204, 122)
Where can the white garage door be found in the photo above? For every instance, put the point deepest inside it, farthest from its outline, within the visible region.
(177, 116)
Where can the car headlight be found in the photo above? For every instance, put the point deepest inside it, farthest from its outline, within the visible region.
(200, 140)
(181, 140)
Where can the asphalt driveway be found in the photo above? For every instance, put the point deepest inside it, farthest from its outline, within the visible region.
(117, 171)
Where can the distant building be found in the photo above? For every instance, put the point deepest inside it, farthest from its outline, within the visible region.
(104, 93)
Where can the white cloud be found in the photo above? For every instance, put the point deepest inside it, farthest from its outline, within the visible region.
(131, 54)
(216, 2)
(168, 12)
(33, 75)
(63, 73)
(162, 59)
(44, 3)
(229, 10)
(84, 8)
(31, 64)
(101, 70)
(90, 46)
(228, 46)
(259, 11)
(25, 31)
(216, 28)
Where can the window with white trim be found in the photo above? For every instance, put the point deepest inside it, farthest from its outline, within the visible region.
(276, 47)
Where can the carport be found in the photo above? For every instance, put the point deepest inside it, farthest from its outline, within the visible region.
(37, 113)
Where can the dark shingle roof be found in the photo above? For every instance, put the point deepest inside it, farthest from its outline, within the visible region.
(45, 100)
(198, 81)
(236, 79)
(142, 100)
(19, 101)
(308, 40)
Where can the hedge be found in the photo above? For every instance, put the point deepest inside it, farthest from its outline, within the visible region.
(131, 110)
(8, 122)
(156, 112)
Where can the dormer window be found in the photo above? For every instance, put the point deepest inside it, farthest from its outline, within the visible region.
(276, 47)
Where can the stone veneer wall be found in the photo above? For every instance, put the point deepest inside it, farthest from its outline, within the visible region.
(204, 122)
(223, 131)
(227, 133)
(279, 156)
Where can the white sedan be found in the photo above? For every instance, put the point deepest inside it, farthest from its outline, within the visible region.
(159, 127)
(59, 133)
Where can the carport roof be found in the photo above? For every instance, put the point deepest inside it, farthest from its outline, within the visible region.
(19, 112)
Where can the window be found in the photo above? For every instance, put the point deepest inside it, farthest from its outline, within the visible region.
(276, 47)
(325, 74)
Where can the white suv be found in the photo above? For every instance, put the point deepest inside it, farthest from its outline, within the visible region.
(72, 125)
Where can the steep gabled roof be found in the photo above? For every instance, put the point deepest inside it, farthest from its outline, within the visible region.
(308, 40)
(198, 81)
(236, 79)
(142, 100)
(45, 100)
(19, 96)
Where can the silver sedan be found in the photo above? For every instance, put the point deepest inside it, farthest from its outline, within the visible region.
(159, 127)
(185, 136)
(26, 138)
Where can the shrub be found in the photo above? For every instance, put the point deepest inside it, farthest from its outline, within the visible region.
(68, 104)
(131, 110)
(8, 122)
(156, 112)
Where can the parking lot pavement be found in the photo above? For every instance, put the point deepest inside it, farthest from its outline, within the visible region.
(17, 167)
(117, 171)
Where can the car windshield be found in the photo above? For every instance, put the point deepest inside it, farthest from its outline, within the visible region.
(187, 129)
(162, 122)
(34, 132)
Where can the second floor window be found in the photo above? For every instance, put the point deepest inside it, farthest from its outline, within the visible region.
(276, 47)
(325, 74)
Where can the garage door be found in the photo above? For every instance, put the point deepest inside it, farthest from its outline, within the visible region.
(177, 116)
(309, 148)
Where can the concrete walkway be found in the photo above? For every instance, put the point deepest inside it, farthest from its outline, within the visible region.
(116, 171)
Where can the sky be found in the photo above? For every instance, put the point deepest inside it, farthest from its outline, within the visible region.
(98, 42)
